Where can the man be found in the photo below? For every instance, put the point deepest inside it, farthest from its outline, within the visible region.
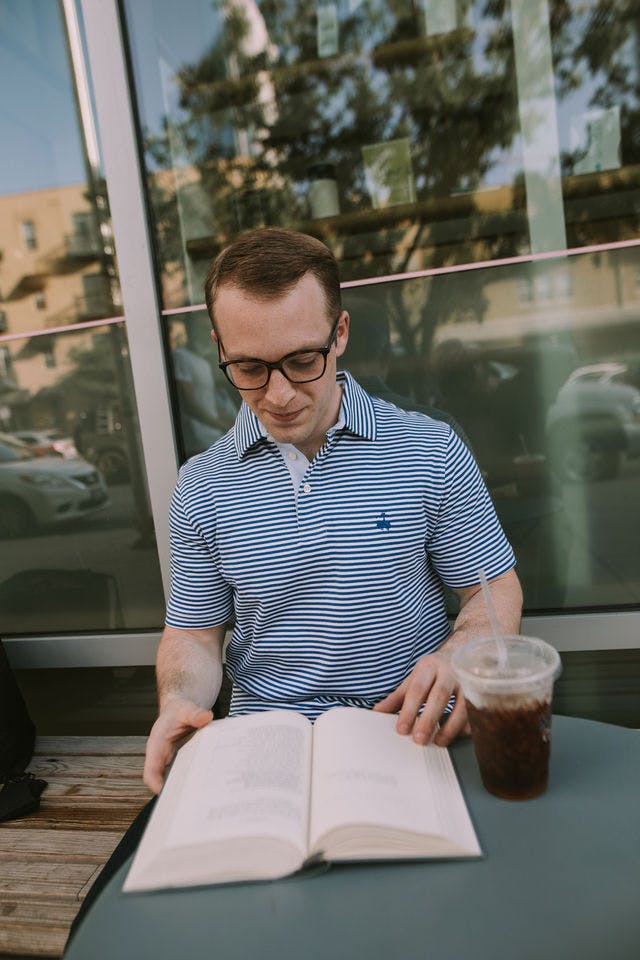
(326, 520)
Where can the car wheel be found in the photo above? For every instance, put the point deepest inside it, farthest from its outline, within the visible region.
(112, 465)
(16, 519)
(580, 460)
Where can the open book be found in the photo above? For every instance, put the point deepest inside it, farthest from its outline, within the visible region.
(258, 797)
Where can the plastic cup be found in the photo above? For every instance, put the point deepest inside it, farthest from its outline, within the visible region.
(508, 688)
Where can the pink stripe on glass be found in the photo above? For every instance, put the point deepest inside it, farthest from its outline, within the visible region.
(458, 268)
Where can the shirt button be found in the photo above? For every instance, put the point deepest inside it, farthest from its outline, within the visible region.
(292, 455)
(307, 488)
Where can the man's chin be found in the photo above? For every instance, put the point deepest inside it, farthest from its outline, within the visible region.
(297, 436)
(286, 434)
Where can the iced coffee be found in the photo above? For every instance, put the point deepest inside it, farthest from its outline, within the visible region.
(507, 683)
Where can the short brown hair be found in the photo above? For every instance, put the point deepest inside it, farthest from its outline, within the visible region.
(269, 261)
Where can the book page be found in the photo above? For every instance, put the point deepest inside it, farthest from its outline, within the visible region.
(366, 774)
(246, 777)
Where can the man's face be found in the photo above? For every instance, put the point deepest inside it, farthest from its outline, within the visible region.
(248, 327)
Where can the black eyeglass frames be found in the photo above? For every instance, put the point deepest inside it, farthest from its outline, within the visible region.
(301, 366)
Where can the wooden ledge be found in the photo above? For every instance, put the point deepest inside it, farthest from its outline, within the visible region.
(50, 859)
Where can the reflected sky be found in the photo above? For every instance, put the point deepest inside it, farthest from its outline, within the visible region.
(39, 131)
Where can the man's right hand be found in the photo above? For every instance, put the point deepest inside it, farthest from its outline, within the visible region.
(177, 722)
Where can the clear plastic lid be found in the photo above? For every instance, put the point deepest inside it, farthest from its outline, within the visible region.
(508, 664)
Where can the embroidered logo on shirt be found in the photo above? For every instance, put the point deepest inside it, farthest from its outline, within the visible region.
(383, 524)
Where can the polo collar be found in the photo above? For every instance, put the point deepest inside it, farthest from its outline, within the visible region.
(357, 411)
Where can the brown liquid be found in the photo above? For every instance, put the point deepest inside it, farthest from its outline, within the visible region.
(512, 747)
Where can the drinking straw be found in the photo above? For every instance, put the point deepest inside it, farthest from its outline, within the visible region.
(493, 620)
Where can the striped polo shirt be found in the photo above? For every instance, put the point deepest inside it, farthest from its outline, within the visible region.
(338, 593)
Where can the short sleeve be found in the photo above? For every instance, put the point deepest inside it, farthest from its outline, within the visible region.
(199, 596)
(466, 535)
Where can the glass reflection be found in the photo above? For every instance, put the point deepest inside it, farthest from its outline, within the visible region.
(79, 551)
(57, 265)
(75, 522)
(371, 124)
(207, 404)
(405, 136)
(546, 389)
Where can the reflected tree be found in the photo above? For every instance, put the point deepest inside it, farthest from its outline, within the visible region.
(261, 106)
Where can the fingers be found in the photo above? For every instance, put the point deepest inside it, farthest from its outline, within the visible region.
(424, 726)
(429, 689)
(421, 700)
(159, 753)
(201, 718)
(394, 700)
(174, 726)
(156, 762)
(455, 725)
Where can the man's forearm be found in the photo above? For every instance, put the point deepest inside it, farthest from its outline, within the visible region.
(189, 666)
(473, 619)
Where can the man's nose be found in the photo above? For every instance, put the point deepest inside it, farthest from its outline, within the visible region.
(279, 390)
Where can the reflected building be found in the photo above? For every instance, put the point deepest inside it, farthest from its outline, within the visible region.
(594, 299)
(56, 272)
(64, 369)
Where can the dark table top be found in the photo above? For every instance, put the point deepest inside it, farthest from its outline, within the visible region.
(559, 880)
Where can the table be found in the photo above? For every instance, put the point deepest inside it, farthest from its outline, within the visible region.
(560, 880)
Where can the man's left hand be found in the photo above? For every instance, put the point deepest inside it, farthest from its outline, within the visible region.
(431, 683)
(429, 687)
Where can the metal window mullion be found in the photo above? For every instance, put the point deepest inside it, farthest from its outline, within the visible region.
(533, 62)
(115, 121)
(568, 632)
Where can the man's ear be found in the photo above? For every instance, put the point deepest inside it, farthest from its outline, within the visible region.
(343, 334)
(214, 335)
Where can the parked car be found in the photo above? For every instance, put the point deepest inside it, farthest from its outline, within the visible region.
(594, 421)
(37, 491)
(46, 443)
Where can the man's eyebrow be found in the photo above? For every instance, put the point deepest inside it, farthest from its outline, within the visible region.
(304, 349)
(315, 348)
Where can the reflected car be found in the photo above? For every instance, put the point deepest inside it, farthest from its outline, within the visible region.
(39, 491)
(100, 437)
(594, 422)
(109, 454)
(48, 443)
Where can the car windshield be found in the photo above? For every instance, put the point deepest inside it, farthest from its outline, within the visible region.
(12, 450)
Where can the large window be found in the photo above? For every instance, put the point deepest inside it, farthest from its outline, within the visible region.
(76, 531)
(474, 167)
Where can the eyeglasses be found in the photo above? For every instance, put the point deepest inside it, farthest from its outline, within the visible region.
(301, 366)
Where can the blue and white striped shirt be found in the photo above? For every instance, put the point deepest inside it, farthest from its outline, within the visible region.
(335, 596)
